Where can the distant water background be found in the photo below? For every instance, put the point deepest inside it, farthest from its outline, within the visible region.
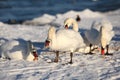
(21, 10)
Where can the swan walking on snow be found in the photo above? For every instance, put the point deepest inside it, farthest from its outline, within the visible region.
(93, 35)
(100, 34)
(63, 40)
(107, 34)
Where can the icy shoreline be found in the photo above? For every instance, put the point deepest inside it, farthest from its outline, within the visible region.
(84, 67)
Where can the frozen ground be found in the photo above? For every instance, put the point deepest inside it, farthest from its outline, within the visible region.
(84, 67)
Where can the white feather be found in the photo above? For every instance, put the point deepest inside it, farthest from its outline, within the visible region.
(65, 40)
(100, 33)
(15, 49)
(107, 33)
(93, 35)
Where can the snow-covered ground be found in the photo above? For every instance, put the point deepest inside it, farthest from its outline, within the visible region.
(84, 67)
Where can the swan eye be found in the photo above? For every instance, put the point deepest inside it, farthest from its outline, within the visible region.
(66, 26)
(47, 42)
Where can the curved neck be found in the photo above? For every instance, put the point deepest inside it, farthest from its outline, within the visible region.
(75, 25)
(52, 36)
(51, 33)
(103, 37)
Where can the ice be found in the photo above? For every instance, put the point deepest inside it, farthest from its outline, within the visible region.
(45, 19)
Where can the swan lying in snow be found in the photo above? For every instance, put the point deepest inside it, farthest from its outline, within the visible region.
(100, 34)
(63, 40)
(17, 49)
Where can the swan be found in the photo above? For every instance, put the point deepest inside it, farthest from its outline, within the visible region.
(100, 34)
(107, 34)
(18, 49)
(63, 40)
(70, 21)
(93, 35)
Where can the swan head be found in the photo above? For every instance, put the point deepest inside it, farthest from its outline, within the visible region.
(47, 43)
(71, 22)
(68, 22)
(33, 55)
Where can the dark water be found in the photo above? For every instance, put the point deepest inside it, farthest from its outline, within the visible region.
(21, 10)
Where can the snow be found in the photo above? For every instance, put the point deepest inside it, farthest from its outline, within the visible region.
(84, 67)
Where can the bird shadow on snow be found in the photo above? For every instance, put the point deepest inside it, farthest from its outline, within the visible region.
(116, 37)
(38, 45)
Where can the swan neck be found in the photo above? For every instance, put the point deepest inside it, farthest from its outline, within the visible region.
(75, 25)
(103, 37)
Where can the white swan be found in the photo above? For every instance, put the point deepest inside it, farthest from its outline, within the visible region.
(100, 34)
(64, 40)
(18, 49)
(107, 34)
(72, 22)
(93, 35)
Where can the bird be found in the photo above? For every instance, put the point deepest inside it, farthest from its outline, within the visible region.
(72, 22)
(100, 34)
(18, 49)
(93, 35)
(107, 34)
(63, 40)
